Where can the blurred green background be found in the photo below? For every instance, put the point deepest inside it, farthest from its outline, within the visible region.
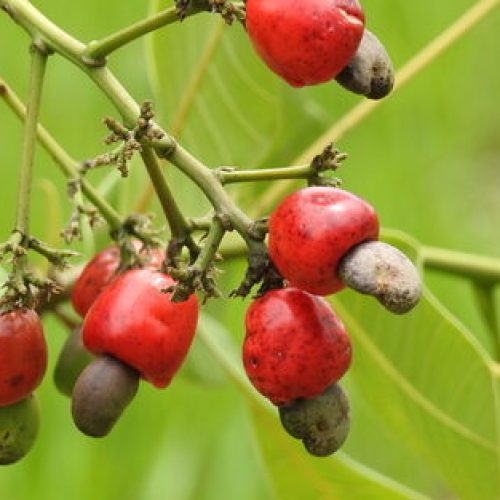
(424, 420)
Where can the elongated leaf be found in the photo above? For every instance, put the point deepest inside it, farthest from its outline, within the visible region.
(295, 475)
(208, 97)
(432, 381)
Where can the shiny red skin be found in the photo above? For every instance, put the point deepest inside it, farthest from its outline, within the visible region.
(99, 272)
(135, 322)
(295, 346)
(312, 229)
(23, 355)
(306, 42)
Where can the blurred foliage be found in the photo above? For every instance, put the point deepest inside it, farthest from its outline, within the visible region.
(424, 421)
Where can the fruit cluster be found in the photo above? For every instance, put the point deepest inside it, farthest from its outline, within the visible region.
(296, 348)
(138, 321)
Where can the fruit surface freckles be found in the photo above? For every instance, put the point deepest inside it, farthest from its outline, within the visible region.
(305, 42)
(294, 346)
(312, 229)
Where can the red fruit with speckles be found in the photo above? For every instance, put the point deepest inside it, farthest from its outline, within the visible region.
(306, 42)
(295, 346)
(23, 355)
(312, 229)
(134, 321)
(100, 271)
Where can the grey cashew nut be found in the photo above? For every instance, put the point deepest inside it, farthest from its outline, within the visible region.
(322, 423)
(378, 269)
(370, 72)
(101, 393)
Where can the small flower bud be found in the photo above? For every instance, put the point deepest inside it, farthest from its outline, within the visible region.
(370, 71)
(101, 394)
(378, 269)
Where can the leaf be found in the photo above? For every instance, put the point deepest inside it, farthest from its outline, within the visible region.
(210, 92)
(294, 473)
(432, 382)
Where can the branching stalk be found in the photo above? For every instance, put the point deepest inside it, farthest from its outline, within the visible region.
(38, 63)
(98, 50)
(66, 163)
(485, 270)
(178, 224)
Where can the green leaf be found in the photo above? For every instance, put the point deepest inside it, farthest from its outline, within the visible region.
(212, 93)
(431, 380)
(294, 474)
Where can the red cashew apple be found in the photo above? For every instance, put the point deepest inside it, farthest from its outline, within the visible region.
(306, 42)
(295, 346)
(100, 271)
(23, 355)
(136, 322)
(312, 229)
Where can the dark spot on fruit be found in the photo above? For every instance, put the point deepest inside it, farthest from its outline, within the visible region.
(16, 380)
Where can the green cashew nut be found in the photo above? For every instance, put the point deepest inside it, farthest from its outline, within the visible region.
(72, 359)
(19, 425)
(321, 422)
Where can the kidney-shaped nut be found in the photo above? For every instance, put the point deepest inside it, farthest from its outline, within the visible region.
(378, 269)
(370, 72)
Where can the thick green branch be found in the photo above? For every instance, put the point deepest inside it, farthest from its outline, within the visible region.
(178, 224)
(479, 268)
(38, 64)
(99, 49)
(29, 17)
(68, 165)
(231, 175)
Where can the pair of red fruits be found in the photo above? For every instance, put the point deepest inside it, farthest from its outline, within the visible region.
(295, 346)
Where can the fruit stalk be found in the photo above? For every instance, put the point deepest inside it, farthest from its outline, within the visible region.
(38, 63)
(68, 165)
(98, 49)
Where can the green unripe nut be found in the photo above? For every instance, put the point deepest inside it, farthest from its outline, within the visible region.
(370, 72)
(72, 359)
(321, 422)
(102, 392)
(378, 269)
(19, 425)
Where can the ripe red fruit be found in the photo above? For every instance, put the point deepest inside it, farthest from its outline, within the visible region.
(312, 229)
(295, 346)
(135, 322)
(99, 272)
(306, 42)
(23, 355)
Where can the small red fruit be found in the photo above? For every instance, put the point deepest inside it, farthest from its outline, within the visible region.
(23, 355)
(295, 346)
(134, 321)
(306, 42)
(312, 229)
(100, 271)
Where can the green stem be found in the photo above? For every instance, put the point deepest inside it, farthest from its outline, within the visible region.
(485, 300)
(38, 64)
(178, 224)
(207, 181)
(479, 268)
(29, 17)
(68, 165)
(228, 176)
(210, 245)
(101, 48)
